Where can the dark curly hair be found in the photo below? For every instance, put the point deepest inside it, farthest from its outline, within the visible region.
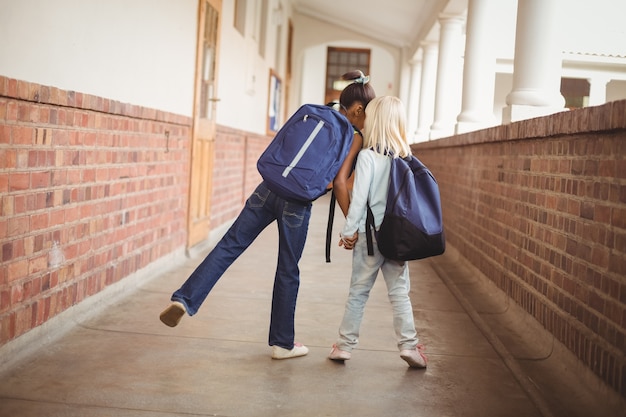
(360, 90)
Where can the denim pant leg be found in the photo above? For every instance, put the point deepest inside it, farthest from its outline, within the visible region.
(364, 271)
(293, 223)
(254, 217)
(396, 276)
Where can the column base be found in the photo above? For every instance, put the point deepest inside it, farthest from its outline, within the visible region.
(441, 130)
(516, 112)
(464, 127)
(421, 136)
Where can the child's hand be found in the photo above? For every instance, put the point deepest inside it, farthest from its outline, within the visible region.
(348, 242)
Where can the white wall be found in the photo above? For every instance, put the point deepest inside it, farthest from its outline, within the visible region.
(383, 70)
(243, 74)
(140, 51)
(595, 28)
(503, 86)
(311, 40)
(143, 52)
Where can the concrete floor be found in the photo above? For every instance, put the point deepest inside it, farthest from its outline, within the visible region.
(485, 358)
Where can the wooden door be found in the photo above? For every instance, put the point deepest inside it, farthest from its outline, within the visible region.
(203, 135)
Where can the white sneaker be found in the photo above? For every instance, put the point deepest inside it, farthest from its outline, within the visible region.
(414, 357)
(281, 353)
(337, 354)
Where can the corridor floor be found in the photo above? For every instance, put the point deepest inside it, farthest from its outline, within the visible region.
(485, 358)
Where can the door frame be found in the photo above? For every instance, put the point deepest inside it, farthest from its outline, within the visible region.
(203, 136)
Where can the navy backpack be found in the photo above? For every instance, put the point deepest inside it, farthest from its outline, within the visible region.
(412, 227)
(306, 153)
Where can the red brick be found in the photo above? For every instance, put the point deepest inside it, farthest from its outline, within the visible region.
(4, 182)
(5, 134)
(17, 270)
(573, 207)
(617, 264)
(40, 179)
(35, 114)
(23, 90)
(618, 218)
(24, 112)
(43, 136)
(607, 168)
(596, 302)
(62, 117)
(602, 214)
(18, 226)
(32, 288)
(38, 264)
(23, 318)
(7, 328)
(73, 176)
(22, 135)
(12, 107)
(620, 168)
(72, 214)
(11, 87)
(39, 221)
(5, 300)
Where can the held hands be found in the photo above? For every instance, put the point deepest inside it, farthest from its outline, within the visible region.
(348, 242)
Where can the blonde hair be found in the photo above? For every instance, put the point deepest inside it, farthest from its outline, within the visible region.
(385, 127)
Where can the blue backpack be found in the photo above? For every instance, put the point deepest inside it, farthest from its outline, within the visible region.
(412, 227)
(306, 153)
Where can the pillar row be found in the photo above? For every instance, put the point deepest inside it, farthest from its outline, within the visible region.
(449, 76)
(427, 90)
(537, 62)
(479, 69)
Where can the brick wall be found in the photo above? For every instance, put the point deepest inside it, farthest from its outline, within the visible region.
(91, 190)
(235, 175)
(539, 207)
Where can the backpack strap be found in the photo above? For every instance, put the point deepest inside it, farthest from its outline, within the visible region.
(329, 226)
(331, 208)
(369, 225)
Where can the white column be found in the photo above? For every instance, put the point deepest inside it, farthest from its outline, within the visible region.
(479, 69)
(449, 76)
(537, 63)
(427, 90)
(597, 90)
(413, 104)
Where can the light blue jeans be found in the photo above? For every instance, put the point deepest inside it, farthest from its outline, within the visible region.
(364, 271)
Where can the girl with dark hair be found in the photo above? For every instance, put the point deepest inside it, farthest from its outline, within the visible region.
(352, 102)
(262, 208)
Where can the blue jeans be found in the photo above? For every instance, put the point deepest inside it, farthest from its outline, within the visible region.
(364, 272)
(261, 209)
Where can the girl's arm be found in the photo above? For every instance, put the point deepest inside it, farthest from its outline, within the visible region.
(362, 183)
(345, 177)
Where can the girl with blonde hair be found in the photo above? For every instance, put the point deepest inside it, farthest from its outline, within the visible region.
(384, 138)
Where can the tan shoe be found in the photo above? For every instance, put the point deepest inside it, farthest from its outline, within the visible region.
(172, 315)
(281, 353)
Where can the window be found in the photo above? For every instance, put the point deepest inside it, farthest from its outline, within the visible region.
(240, 16)
(338, 62)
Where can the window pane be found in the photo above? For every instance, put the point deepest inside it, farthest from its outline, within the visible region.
(338, 62)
